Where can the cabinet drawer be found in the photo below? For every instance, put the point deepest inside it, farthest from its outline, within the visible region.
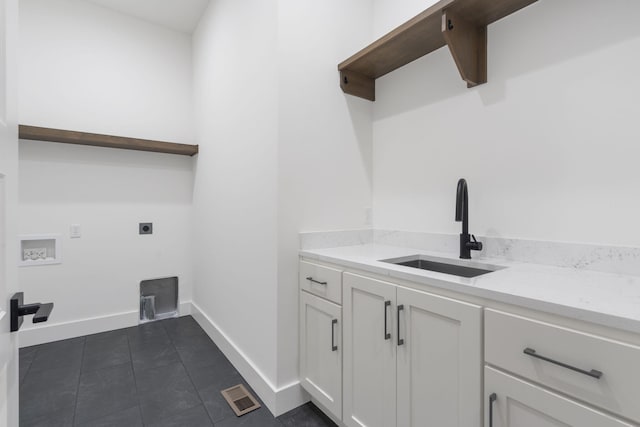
(323, 281)
(566, 360)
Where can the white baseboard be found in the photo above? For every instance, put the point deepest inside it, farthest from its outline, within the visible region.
(44, 333)
(278, 400)
(61, 331)
(185, 308)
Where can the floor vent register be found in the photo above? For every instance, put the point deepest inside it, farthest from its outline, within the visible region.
(240, 400)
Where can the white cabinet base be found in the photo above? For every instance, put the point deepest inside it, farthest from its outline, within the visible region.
(369, 352)
(411, 358)
(321, 351)
(439, 361)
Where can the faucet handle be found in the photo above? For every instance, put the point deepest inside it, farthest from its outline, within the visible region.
(475, 246)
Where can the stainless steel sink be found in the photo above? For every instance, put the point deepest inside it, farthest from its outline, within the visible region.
(444, 265)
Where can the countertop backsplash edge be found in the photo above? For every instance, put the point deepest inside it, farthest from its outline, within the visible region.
(602, 258)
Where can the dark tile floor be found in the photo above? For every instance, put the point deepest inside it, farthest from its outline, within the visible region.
(166, 373)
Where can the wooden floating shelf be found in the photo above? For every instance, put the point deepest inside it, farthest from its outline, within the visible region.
(459, 24)
(98, 140)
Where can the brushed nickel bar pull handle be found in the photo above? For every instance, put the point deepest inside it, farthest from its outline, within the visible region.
(311, 279)
(400, 340)
(334, 347)
(387, 335)
(492, 398)
(592, 373)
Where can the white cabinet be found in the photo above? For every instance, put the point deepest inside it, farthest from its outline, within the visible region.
(396, 356)
(410, 358)
(564, 375)
(321, 351)
(439, 361)
(369, 352)
(519, 403)
(594, 369)
(321, 334)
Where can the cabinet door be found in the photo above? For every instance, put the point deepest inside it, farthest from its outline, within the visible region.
(369, 352)
(321, 351)
(439, 361)
(522, 404)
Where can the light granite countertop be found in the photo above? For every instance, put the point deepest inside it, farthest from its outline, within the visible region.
(607, 299)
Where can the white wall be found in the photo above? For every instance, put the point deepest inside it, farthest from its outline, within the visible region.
(84, 67)
(108, 192)
(282, 150)
(324, 151)
(549, 146)
(235, 195)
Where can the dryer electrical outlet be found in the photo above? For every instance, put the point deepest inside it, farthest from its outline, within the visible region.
(145, 228)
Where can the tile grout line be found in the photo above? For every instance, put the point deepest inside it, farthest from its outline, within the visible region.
(191, 379)
(181, 363)
(28, 369)
(197, 392)
(90, 371)
(189, 374)
(75, 406)
(133, 371)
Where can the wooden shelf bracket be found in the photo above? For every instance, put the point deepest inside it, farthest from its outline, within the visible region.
(358, 85)
(468, 45)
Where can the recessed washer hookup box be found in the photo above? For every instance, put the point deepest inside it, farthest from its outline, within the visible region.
(158, 299)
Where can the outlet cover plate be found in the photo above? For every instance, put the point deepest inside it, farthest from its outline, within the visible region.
(145, 228)
(75, 232)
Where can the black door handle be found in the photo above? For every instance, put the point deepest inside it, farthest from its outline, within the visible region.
(40, 311)
(492, 398)
(387, 335)
(400, 340)
(592, 373)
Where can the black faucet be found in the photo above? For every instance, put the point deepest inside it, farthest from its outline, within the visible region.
(462, 214)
